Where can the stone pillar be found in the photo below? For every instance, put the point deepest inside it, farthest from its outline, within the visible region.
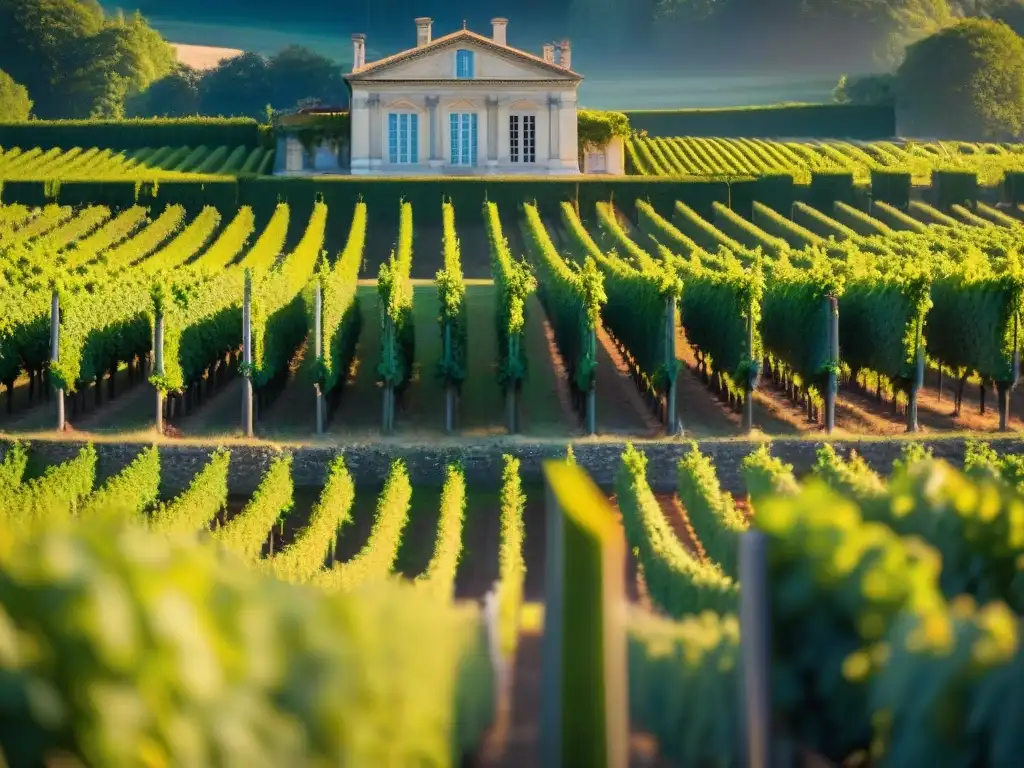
(376, 131)
(492, 130)
(567, 136)
(360, 146)
(281, 155)
(554, 105)
(432, 127)
(295, 153)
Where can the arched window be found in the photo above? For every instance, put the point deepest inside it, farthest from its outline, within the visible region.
(463, 64)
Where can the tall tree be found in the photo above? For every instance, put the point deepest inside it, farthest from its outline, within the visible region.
(297, 73)
(176, 95)
(75, 62)
(238, 86)
(15, 105)
(965, 82)
(41, 47)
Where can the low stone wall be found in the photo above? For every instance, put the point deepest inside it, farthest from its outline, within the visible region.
(369, 463)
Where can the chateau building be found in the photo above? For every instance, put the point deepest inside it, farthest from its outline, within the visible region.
(462, 103)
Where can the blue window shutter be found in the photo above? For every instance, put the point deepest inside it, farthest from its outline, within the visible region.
(403, 138)
(472, 149)
(392, 138)
(454, 129)
(414, 139)
(464, 64)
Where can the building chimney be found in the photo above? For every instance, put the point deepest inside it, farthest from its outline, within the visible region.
(499, 25)
(423, 31)
(565, 54)
(358, 51)
(549, 53)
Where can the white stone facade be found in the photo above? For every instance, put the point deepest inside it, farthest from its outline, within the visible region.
(609, 159)
(464, 104)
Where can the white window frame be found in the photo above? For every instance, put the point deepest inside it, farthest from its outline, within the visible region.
(457, 135)
(517, 145)
(412, 143)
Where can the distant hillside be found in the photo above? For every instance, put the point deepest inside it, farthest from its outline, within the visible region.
(203, 56)
(328, 26)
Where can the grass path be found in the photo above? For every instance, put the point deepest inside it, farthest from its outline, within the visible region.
(481, 407)
(423, 406)
(420, 532)
(358, 412)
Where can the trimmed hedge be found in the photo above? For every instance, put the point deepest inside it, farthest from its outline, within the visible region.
(1013, 187)
(852, 121)
(891, 186)
(382, 196)
(118, 195)
(132, 134)
(953, 187)
(830, 187)
(776, 190)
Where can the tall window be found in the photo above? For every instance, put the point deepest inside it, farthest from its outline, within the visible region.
(464, 64)
(462, 126)
(522, 138)
(403, 138)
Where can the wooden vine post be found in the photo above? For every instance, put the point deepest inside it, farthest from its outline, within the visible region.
(915, 385)
(592, 391)
(388, 414)
(247, 398)
(318, 348)
(55, 353)
(585, 701)
(449, 389)
(754, 702)
(751, 382)
(832, 308)
(1005, 388)
(670, 362)
(511, 401)
(158, 367)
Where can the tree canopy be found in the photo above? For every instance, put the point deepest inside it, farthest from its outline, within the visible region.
(74, 60)
(176, 95)
(15, 105)
(245, 86)
(965, 82)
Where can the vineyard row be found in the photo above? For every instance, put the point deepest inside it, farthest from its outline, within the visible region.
(810, 301)
(922, 575)
(148, 164)
(712, 157)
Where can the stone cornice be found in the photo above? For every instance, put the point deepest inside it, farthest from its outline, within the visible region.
(367, 71)
(464, 84)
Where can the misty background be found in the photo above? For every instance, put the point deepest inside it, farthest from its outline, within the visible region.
(950, 68)
(633, 53)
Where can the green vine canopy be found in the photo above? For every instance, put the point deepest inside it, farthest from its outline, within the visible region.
(596, 128)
